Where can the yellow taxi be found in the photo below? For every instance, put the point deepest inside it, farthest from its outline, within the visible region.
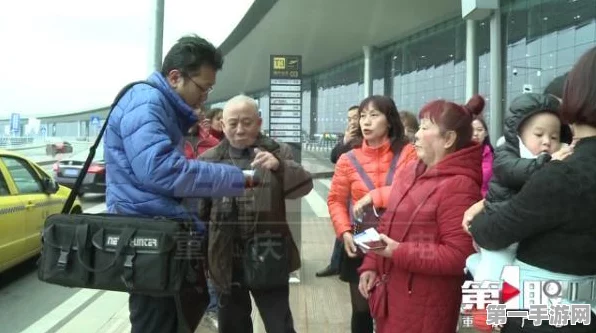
(28, 195)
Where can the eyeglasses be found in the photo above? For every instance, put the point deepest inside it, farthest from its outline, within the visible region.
(201, 89)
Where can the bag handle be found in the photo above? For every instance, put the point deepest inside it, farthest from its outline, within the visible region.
(77, 186)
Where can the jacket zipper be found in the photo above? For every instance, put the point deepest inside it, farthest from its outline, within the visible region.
(410, 278)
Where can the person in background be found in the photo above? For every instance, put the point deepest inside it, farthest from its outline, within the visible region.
(552, 217)
(212, 124)
(555, 87)
(480, 135)
(351, 135)
(408, 119)
(414, 283)
(373, 162)
(146, 170)
(214, 116)
(201, 136)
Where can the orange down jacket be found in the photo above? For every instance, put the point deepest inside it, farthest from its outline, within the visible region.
(347, 183)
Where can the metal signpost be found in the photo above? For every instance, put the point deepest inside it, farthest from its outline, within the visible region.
(95, 122)
(15, 124)
(285, 123)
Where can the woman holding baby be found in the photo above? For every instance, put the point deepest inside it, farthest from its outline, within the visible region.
(551, 218)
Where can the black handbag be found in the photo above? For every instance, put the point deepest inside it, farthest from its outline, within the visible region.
(266, 262)
(146, 255)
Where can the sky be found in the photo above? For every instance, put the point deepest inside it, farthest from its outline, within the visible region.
(64, 56)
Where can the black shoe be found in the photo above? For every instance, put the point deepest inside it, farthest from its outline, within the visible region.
(327, 271)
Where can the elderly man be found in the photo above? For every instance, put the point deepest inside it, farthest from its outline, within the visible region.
(251, 249)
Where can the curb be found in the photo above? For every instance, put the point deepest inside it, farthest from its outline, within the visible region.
(45, 162)
(16, 149)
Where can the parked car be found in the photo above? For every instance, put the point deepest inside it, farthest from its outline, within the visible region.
(58, 146)
(67, 170)
(28, 195)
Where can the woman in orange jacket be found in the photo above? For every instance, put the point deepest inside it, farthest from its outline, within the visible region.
(372, 163)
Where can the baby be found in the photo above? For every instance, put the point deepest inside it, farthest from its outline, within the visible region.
(532, 138)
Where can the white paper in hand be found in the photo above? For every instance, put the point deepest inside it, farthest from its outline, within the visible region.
(367, 236)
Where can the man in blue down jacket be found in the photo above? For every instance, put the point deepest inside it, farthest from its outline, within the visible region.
(147, 172)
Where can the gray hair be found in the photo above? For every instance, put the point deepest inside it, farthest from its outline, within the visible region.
(242, 100)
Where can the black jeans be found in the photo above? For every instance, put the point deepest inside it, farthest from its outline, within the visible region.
(152, 314)
(335, 261)
(234, 315)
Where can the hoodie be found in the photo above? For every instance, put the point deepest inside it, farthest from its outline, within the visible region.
(510, 170)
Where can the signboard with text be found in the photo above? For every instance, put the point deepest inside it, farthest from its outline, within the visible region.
(285, 99)
(285, 124)
(15, 123)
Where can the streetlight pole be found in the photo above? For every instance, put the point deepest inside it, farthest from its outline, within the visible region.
(157, 44)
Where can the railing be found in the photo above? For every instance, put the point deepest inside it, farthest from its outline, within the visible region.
(319, 145)
(15, 141)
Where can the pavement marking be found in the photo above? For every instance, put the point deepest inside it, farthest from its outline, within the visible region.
(66, 308)
(317, 204)
(326, 182)
(96, 209)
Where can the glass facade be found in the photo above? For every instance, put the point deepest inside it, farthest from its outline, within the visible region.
(337, 90)
(483, 52)
(430, 65)
(542, 39)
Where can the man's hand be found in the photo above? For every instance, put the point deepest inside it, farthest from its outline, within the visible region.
(205, 124)
(265, 160)
(392, 245)
(367, 280)
(350, 134)
(470, 213)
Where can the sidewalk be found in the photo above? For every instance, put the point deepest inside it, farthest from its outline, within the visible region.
(318, 304)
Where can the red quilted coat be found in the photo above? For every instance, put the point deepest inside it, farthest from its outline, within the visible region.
(424, 213)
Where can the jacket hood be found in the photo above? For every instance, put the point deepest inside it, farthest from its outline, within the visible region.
(525, 106)
(185, 114)
(466, 161)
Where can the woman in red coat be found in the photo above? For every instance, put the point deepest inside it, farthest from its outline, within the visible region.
(414, 284)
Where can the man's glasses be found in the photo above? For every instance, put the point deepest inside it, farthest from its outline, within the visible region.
(201, 89)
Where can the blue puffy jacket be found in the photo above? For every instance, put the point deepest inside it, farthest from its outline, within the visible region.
(146, 170)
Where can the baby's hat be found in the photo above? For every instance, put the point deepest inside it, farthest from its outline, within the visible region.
(525, 106)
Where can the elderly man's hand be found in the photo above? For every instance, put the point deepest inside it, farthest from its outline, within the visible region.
(265, 160)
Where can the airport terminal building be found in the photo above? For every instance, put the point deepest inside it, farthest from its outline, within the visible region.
(413, 51)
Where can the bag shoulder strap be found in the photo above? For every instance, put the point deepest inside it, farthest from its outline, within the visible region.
(392, 167)
(75, 189)
(365, 178)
